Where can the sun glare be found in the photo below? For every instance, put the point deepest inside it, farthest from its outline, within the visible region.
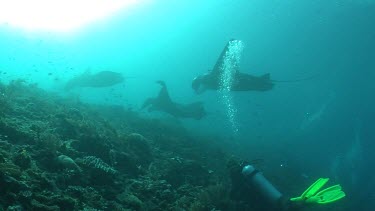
(57, 15)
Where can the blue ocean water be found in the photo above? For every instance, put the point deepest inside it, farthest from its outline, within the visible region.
(321, 127)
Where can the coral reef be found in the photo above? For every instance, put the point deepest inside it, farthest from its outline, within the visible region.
(60, 154)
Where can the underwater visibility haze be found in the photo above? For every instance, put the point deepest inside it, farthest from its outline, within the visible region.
(163, 105)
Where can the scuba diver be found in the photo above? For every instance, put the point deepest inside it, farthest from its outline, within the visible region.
(248, 182)
(241, 81)
(164, 103)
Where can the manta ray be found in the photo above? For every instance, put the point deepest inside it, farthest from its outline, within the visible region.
(241, 81)
(164, 103)
(97, 80)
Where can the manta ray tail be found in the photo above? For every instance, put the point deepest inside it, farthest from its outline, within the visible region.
(295, 80)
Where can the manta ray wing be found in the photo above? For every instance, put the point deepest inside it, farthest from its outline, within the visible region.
(163, 95)
(218, 65)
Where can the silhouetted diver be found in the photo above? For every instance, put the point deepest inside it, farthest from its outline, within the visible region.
(241, 81)
(164, 103)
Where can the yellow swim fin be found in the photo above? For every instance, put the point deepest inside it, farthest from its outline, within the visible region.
(328, 195)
